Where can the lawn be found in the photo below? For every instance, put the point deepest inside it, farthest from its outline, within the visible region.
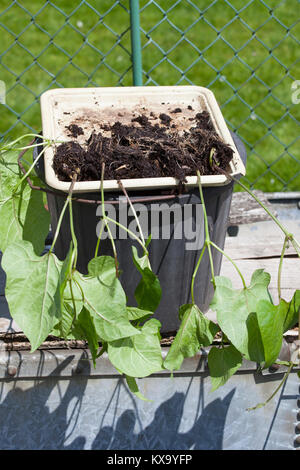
(248, 59)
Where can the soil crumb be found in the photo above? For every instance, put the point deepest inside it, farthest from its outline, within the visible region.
(144, 151)
(165, 119)
(75, 130)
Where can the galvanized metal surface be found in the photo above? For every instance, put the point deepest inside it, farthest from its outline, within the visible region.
(56, 400)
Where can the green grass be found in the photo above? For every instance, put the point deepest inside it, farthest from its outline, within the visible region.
(250, 74)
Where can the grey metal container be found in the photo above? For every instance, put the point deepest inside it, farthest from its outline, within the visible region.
(55, 399)
(170, 258)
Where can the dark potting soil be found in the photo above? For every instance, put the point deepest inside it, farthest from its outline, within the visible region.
(144, 151)
(74, 130)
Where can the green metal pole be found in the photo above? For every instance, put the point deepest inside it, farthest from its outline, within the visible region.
(136, 48)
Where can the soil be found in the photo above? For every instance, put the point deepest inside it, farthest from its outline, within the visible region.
(144, 150)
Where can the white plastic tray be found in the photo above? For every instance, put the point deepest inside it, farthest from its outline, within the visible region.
(90, 108)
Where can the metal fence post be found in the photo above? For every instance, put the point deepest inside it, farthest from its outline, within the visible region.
(136, 49)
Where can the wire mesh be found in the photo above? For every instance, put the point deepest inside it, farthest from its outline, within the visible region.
(246, 52)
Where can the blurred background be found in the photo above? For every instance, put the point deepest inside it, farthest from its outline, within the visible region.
(246, 52)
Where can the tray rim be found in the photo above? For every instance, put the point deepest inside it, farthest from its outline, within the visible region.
(46, 101)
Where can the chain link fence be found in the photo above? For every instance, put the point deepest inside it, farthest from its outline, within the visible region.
(246, 52)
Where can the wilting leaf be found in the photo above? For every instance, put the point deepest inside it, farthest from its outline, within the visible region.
(194, 332)
(290, 311)
(131, 382)
(84, 329)
(148, 291)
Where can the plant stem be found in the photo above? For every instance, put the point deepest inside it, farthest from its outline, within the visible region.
(133, 211)
(99, 239)
(207, 237)
(133, 235)
(30, 170)
(105, 219)
(280, 267)
(74, 239)
(68, 202)
(195, 272)
(59, 225)
(260, 405)
(231, 261)
(11, 144)
(289, 235)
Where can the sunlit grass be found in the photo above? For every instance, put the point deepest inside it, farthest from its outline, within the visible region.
(249, 65)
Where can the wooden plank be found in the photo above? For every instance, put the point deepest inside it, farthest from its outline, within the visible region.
(289, 278)
(245, 210)
(261, 240)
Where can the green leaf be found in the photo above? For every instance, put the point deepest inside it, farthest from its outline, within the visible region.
(233, 307)
(290, 311)
(194, 332)
(103, 267)
(63, 328)
(70, 298)
(223, 363)
(107, 306)
(32, 290)
(270, 322)
(131, 382)
(23, 215)
(140, 355)
(148, 291)
(141, 262)
(84, 329)
(135, 313)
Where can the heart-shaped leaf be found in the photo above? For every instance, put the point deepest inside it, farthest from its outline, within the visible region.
(107, 306)
(140, 355)
(32, 290)
(233, 307)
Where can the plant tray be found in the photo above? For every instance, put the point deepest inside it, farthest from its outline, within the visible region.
(91, 108)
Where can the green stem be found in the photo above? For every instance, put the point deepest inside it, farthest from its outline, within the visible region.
(133, 211)
(105, 219)
(133, 235)
(231, 261)
(80, 288)
(99, 239)
(59, 225)
(207, 237)
(195, 272)
(73, 302)
(289, 235)
(74, 239)
(11, 144)
(280, 267)
(29, 171)
(260, 405)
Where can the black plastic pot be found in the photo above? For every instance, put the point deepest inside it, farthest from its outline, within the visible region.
(170, 259)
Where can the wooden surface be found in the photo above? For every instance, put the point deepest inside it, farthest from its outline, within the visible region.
(259, 245)
(245, 210)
